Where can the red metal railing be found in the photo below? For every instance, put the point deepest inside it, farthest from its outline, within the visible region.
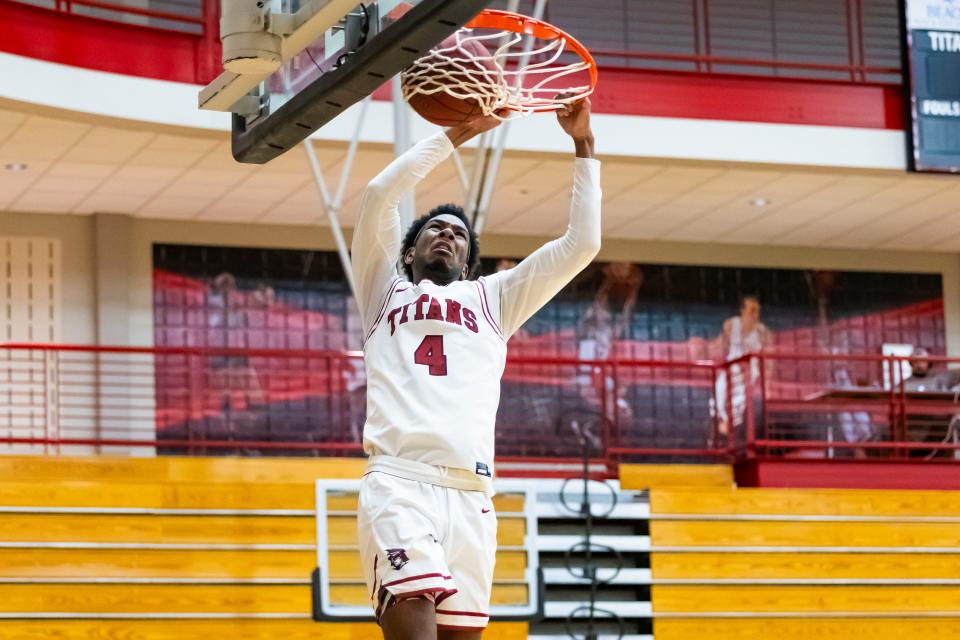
(841, 406)
(56, 398)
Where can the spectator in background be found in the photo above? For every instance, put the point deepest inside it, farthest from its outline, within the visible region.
(608, 317)
(925, 376)
(606, 321)
(745, 333)
(856, 426)
(741, 335)
(234, 383)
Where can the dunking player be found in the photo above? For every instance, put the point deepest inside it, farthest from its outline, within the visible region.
(435, 349)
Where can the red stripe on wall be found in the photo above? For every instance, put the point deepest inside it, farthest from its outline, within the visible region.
(848, 474)
(748, 98)
(674, 94)
(108, 46)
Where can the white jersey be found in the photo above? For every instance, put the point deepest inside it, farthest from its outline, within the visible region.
(435, 354)
(434, 361)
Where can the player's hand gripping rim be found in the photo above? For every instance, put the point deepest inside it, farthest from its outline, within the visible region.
(463, 132)
(574, 119)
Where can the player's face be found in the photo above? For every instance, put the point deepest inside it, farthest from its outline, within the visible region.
(445, 241)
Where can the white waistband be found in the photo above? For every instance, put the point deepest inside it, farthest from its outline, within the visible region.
(430, 474)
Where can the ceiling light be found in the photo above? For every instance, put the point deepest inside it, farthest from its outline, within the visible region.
(15, 166)
(759, 202)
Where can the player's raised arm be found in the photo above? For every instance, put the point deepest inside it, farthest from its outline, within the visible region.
(377, 234)
(533, 282)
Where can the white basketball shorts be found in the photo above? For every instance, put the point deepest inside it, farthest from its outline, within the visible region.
(422, 539)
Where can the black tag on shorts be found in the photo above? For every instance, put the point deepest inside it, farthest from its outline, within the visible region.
(483, 470)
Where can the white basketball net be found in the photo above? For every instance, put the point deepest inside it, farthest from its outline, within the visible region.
(501, 88)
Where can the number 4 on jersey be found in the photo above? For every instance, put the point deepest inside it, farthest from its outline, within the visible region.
(430, 353)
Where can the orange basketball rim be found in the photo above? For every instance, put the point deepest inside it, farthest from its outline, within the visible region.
(533, 79)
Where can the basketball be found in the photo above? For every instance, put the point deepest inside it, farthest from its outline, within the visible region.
(459, 69)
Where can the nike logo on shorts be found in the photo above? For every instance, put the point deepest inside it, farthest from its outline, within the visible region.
(484, 510)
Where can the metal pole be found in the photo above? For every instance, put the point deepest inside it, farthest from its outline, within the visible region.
(477, 179)
(714, 435)
(331, 211)
(402, 142)
(351, 155)
(749, 413)
(489, 178)
(461, 172)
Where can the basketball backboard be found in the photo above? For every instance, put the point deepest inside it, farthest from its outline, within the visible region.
(294, 65)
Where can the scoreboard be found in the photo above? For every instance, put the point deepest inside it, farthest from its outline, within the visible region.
(933, 51)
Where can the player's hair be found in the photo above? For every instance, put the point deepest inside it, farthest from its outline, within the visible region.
(749, 296)
(473, 255)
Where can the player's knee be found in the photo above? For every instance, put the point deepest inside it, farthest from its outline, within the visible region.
(410, 619)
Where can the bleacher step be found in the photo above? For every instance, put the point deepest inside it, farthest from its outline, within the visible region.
(562, 543)
(624, 577)
(621, 511)
(562, 609)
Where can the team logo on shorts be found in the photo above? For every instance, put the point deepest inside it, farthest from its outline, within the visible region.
(397, 558)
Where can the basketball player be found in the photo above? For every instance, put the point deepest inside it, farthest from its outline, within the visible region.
(435, 348)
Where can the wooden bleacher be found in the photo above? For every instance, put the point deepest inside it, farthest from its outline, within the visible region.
(804, 564)
(657, 476)
(94, 548)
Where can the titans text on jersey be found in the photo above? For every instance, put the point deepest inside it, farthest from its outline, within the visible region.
(429, 308)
